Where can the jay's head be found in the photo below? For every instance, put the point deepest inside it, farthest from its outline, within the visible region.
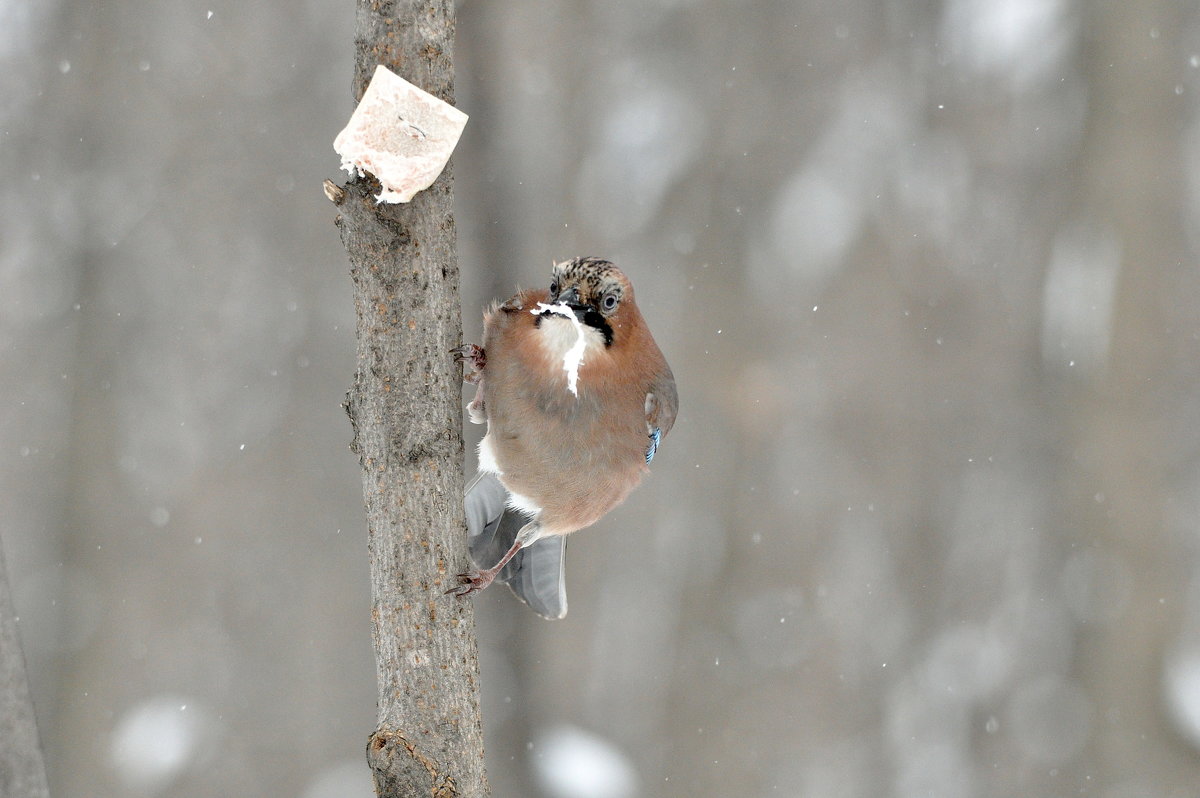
(598, 292)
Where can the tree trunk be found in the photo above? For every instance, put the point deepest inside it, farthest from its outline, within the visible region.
(405, 409)
(22, 771)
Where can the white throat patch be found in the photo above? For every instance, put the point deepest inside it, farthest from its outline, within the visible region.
(569, 341)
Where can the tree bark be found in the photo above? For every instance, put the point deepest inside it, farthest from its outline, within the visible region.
(404, 407)
(22, 770)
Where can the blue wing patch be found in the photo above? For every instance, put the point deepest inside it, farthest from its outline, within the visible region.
(655, 438)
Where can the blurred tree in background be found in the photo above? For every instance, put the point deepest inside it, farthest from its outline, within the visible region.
(926, 273)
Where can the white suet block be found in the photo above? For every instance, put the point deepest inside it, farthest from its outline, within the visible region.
(400, 134)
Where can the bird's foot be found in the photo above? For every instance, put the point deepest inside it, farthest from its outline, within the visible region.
(474, 354)
(477, 410)
(473, 581)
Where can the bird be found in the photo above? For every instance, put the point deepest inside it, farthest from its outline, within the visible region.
(577, 398)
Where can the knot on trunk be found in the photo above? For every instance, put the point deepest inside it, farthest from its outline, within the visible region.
(401, 768)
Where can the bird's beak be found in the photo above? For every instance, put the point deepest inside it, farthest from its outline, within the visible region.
(570, 297)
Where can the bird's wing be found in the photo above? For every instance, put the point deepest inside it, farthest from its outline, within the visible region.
(535, 574)
(538, 578)
(484, 503)
(662, 403)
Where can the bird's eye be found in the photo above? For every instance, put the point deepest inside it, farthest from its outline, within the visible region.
(610, 302)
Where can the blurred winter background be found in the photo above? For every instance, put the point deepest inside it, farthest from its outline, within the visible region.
(929, 522)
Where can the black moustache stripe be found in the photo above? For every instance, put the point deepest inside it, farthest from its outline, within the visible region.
(592, 318)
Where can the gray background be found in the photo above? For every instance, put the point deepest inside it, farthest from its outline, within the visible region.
(926, 273)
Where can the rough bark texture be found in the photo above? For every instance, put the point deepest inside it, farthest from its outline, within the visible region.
(405, 410)
(22, 771)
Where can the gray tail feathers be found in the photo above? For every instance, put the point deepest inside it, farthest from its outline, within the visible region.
(535, 574)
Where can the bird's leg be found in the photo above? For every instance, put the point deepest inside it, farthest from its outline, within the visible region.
(474, 354)
(477, 357)
(475, 580)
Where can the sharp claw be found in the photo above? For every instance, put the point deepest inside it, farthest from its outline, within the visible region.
(471, 352)
(470, 582)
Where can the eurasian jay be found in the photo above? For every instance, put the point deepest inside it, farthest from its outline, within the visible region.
(577, 398)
